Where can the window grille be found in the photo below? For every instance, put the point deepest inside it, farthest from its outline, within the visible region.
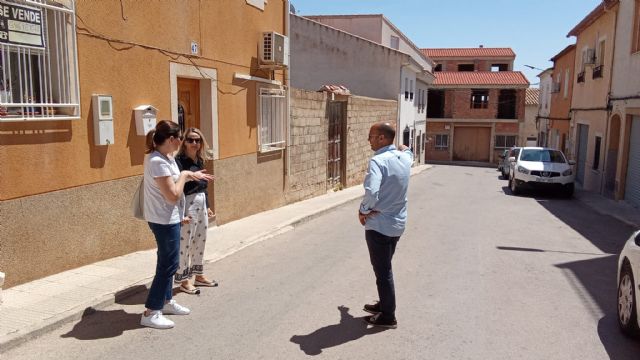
(505, 141)
(442, 142)
(38, 63)
(272, 119)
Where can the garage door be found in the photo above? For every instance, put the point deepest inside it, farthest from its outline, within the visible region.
(632, 187)
(583, 138)
(471, 143)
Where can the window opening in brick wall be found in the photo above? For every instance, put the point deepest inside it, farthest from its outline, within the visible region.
(271, 119)
(435, 104)
(394, 42)
(38, 64)
(507, 104)
(438, 67)
(466, 67)
(479, 99)
(505, 141)
(596, 153)
(500, 67)
(442, 142)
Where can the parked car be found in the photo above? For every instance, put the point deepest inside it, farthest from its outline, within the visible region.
(537, 167)
(504, 162)
(628, 272)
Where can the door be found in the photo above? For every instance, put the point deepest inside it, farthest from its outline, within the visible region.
(581, 151)
(471, 143)
(188, 103)
(335, 148)
(632, 187)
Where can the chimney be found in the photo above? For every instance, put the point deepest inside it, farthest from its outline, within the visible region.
(481, 46)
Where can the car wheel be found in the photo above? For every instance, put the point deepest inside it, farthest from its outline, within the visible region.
(504, 176)
(567, 190)
(515, 190)
(627, 314)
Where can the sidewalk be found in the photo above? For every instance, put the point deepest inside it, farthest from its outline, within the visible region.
(620, 210)
(34, 308)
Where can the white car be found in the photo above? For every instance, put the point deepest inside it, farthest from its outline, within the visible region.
(628, 272)
(542, 168)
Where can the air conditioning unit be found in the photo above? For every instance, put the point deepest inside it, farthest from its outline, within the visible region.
(589, 57)
(274, 50)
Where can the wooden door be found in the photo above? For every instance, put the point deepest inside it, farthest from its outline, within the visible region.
(188, 103)
(472, 143)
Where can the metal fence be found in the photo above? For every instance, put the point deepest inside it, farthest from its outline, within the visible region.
(41, 82)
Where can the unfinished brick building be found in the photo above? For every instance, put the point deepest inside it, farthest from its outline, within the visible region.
(476, 105)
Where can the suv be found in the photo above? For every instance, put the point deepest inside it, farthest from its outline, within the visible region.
(541, 167)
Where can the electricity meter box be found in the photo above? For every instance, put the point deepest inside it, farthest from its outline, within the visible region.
(145, 118)
(102, 119)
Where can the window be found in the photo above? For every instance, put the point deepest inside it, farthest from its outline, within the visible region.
(479, 99)
(394, 42)
(596, 153)
(442, 142)
(581, 77)
(406, 88)
(438, 67)
(500, 67)
(636, 28)
(566, 83)
(505, 141)
(411, 90)
(466, 67)
(38, 64)
(271, 119)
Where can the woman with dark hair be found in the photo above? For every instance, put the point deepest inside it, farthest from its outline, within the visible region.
(193, 236)
(164, 211)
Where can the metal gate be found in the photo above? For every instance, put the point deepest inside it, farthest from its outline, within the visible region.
(583, 138)
(335, 165)
(632, 187)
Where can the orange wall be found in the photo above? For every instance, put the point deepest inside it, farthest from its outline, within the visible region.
(560, 105)
(61, 154)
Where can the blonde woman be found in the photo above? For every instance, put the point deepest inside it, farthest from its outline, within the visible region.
(164, 211)
(193, 235)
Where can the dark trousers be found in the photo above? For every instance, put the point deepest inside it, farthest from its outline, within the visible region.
(381, 250)
(168, 240)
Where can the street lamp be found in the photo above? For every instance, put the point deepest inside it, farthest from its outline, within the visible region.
(533, 67)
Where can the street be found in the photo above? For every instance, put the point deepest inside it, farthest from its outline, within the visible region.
(480, 274)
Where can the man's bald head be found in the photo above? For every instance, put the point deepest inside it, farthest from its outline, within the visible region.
(385, 129)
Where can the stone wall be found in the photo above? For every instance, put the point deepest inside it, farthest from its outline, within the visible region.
(308, 148)
(362, 112)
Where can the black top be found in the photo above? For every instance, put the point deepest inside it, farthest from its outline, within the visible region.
(195, 186)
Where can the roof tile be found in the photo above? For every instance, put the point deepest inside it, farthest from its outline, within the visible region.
(532, 97)
(480, 78)
(468, 52)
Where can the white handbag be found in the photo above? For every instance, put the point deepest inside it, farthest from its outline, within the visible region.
(137, 202)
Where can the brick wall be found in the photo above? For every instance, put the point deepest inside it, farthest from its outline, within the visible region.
(362, 112)
(308, 150)
(458, 104)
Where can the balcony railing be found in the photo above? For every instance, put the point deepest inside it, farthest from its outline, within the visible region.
(597, 71)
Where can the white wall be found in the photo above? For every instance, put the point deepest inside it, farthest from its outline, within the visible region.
(322, 55)
(625, 63)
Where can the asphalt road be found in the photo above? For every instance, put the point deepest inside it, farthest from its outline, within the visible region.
(480, 274)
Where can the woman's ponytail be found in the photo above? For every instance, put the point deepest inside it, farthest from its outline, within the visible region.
(151, 146)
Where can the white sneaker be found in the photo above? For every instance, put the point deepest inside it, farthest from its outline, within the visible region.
(173, 308)
(156, 320)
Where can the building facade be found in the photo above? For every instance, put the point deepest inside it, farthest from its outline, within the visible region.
(562, 92)
(544, 108)
(67, 109)
(476, 106)
(528, 134)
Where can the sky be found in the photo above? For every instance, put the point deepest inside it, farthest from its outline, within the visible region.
(536, 30)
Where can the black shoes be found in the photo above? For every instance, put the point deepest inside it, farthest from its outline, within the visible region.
(372, 309)
(377, 320)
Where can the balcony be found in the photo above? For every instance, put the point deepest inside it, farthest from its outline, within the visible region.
(581, 76)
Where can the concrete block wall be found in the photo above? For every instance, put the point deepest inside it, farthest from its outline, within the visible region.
(308, 148)
(362, 112)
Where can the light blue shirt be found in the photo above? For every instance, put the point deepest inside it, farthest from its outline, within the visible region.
(385, 190)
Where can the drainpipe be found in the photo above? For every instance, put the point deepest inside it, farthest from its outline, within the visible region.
(607, 141)
(287, 80)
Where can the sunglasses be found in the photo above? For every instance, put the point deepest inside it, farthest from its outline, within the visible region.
(193, 140)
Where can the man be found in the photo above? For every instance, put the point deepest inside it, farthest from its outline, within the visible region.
(383, 212)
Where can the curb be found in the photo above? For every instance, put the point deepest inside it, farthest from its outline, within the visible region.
(13, 340)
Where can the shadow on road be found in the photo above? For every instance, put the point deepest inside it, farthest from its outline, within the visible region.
(595, 279)
(99, 324)
(348, 329)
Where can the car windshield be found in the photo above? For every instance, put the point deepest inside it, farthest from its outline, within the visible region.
(543, 155)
